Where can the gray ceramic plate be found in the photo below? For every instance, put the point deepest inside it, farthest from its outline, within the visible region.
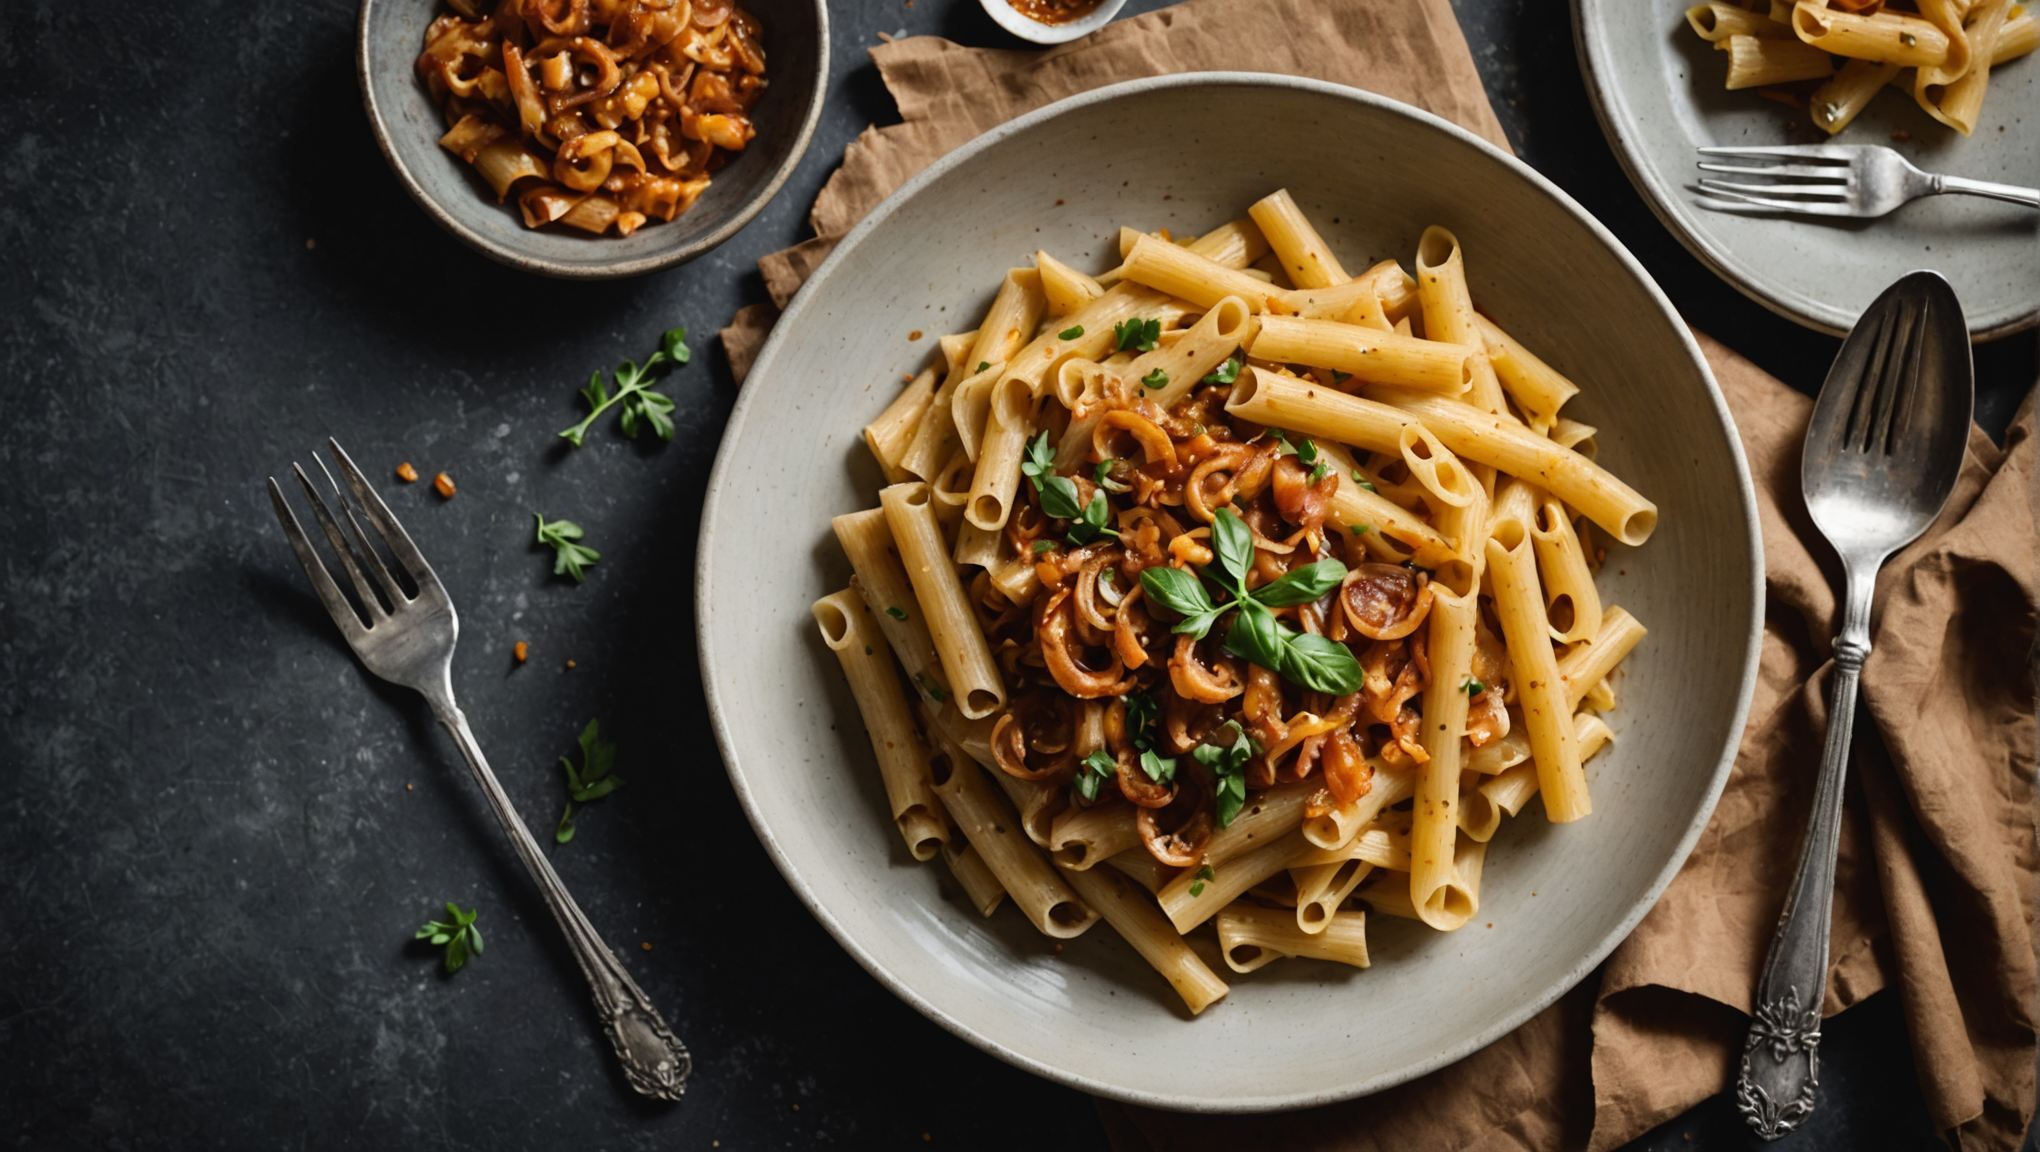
(391, 33)
(1657, 88)
(1373, 173)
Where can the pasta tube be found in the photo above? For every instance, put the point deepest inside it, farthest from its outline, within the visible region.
(1538, 389)
(1336, 828)
(1371, 356)
(980, 887)
(959, 643)
(1186, 910)
(882, 581)
(1449, 314)
(902, 760)
(1509, 447)
(1252, 936)
(1439, 900)
(1134, 916)
(1539, 691)
(1586, 665)
(1306, 258)
(1082, 837)
(1321, 888)
(1755, 62)
(1037, 888)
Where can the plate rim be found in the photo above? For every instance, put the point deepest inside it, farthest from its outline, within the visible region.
(721, 477)
(1590, 46)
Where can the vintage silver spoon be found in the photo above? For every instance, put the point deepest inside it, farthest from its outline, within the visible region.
(1882, 453)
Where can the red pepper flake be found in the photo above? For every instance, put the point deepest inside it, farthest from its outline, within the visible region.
(1900, 135)
(571, 664)
(520, 650)
(914, 335)
(1057, 204)
(647, 945)
(406, 473)
(407, 787)
(443, 484)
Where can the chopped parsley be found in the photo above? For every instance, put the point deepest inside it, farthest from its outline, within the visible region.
(896, 612)
(1156, 379)
(1197, 885)
(1138, 335)
(1226, 373)
(1070, 333)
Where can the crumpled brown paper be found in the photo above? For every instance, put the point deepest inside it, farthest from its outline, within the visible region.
(1936, 877)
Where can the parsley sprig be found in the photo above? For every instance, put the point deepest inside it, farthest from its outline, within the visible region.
(1137, 335)
(633, 391)
(593, 780)
(1097, 769)
(1197, 883)
(459, 935)
(1226, 373)
(1227, 763)
(1060, 498)
(570, 557)
(1312, 661)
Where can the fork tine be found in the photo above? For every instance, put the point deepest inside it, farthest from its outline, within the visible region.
(1804, 207)
(385, 521)
(398, 598)
(1798, 171)
(1828, 190)
(1798, 151)
(374, 607)
(1865, 400)
(322, 581)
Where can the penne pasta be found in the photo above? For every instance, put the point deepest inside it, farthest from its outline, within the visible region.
(966, 658)
(1756, 62)
(1141, 594)
(1036, 887)
(902, 760)
(1554, 747)
(1251, 937)
(1370, 356)
(1134, 916)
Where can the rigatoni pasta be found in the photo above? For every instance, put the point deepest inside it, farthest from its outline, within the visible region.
(1254, 581)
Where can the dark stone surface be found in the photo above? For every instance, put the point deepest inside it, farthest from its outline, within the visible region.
(217, 833)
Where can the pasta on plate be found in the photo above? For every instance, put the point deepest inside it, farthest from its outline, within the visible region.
(1229, 588)
(599, 114)
(1941, 52)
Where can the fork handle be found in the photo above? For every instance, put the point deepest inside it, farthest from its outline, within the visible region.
(1775, 1089)
(2030, 197)
(654, 1060)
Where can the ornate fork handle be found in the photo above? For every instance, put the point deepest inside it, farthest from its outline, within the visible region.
(654, 1060)
(1780, 1072)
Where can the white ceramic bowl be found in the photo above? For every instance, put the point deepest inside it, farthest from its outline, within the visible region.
(1658, 90)
(1006, 16)
(1372, 173)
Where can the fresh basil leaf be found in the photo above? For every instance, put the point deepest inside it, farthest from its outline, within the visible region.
(1255, 636)
(1159, 769)
(1320, 665)
(1230, 798)
(983, 364)
(674, 345)
(1156, 379)
(1070, 333)
(1177, 590)
(1141, 711)
(1043, 546)
(1205, 873)
(1137, 335)
(565, 831)
(1199, 625)
(1306, 451)
(1227, 372)
(1196, 889)
(1040, 459)
(1301, 585)
(1233, 542)
(1059, 498)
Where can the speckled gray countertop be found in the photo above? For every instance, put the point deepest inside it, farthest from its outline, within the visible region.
(217, 833)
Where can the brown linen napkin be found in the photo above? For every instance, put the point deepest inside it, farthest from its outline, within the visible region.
(1938, 853)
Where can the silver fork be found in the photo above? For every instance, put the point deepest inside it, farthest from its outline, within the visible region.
(1839, 180)
(1882, 452)
(409, 640)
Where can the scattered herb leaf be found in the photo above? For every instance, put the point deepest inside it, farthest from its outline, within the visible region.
(896, 612)
(1156, 379)
(633, 391)
(592, 780)
(1138, 335)
(570, 558)
(1227, 372)
(459, 935)
(1070, 333)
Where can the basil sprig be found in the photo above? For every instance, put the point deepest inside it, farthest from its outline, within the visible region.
(1314, 662)
(1060, 498)
(1227, 763)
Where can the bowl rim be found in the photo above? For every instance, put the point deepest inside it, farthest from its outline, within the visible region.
(612, 270)
(1590, 45)
(1006, 16)
(723, 477)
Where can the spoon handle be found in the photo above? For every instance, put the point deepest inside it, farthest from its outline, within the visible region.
(1781, 1056)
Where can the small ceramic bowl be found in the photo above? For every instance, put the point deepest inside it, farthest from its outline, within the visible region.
(1009, 18)
(408, 124)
